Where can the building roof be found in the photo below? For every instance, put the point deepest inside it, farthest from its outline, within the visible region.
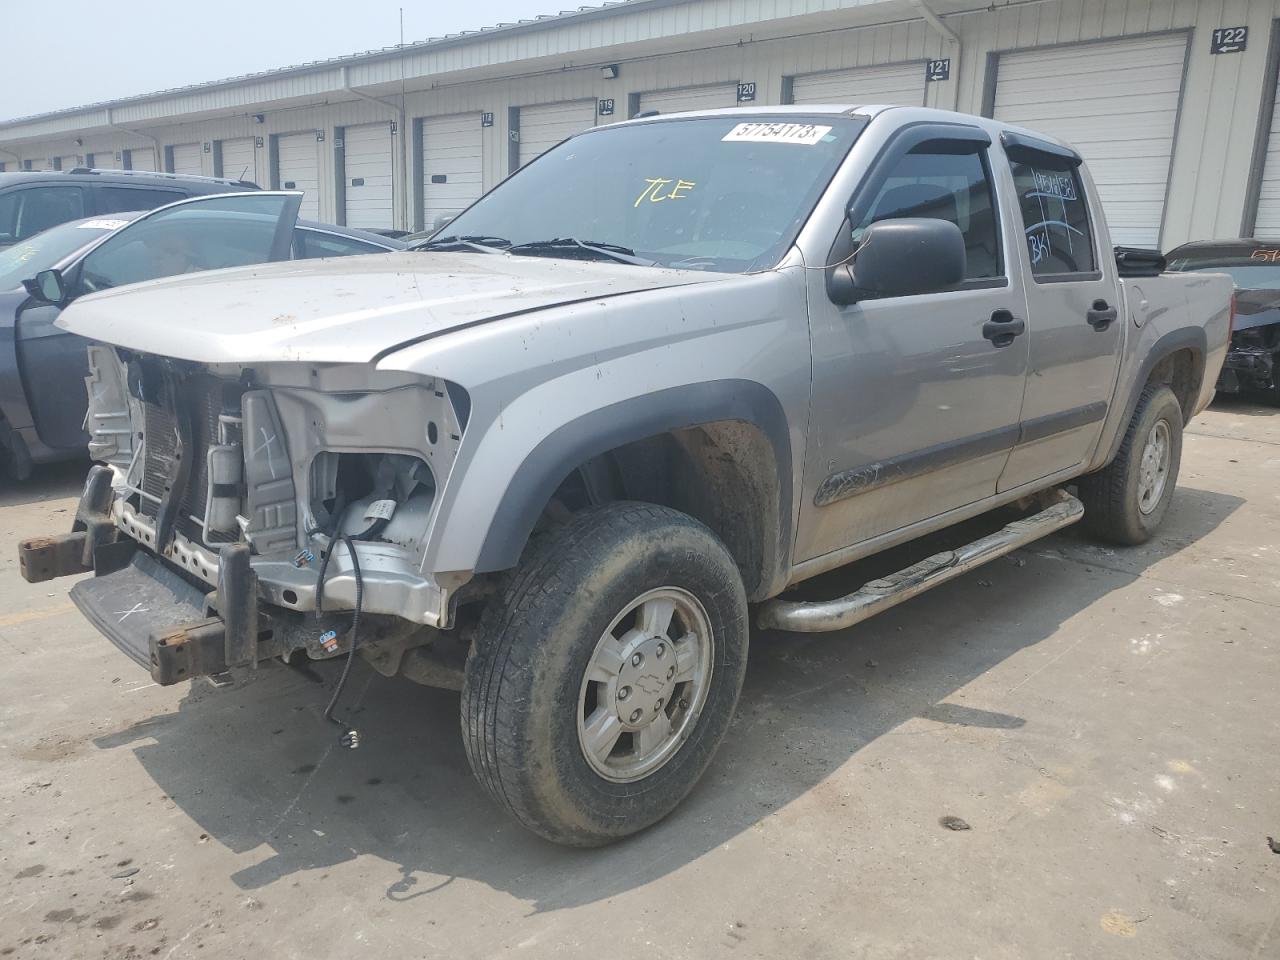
(533, 23)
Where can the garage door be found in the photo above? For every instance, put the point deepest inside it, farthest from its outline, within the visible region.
(542, 127)
(239, 159)
(1267, 222)
(690, 98)
(142, 158)
(1117, 103)
(900, 84)
(186, 159)
(368, 151)
(68, 163)
(299, 155)
(452, 165)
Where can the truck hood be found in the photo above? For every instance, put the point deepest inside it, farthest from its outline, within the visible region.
(346, 310)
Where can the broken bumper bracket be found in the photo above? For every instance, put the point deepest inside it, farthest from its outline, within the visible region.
(148, 609)
(46, 558)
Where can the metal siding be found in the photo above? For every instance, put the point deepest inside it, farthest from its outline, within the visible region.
(300, 170)
(453, 148)
(899, 84)
(369, 153)
(187, 158)
(1117, 103)
(239, 159)
(542, 127)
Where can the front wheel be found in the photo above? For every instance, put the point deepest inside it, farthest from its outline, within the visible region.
(606, 674)
(1126, 500)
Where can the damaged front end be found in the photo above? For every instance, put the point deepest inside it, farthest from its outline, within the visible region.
(211, 520)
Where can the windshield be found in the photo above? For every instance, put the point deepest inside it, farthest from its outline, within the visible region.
(24, 260)
(1248, 273)
(708, 193)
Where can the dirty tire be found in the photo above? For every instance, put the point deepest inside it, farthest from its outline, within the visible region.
(525, 673)
(1111, 497)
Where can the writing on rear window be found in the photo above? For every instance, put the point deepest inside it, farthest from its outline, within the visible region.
(1054, 219)
(1058, 185)
(805, 134)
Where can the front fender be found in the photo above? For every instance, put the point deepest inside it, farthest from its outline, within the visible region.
(604, 429)
(551, 390)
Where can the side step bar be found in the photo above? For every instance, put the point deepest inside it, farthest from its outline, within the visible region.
(878, 595)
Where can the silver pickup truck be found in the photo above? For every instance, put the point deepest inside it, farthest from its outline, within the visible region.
(650, 383)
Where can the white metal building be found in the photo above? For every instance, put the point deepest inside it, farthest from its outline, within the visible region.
(1173, 102)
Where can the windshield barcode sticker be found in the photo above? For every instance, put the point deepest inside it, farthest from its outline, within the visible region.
(102, 224)
(805, 134)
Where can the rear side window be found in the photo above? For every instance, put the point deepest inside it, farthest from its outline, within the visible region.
(945, 180)
(120, 199)
(1055, 216)
(31, 210)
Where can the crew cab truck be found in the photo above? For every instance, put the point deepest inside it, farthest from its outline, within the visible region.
(557, 456)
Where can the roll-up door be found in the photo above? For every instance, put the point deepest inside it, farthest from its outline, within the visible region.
(186, 158)
(1266, 224)
(239, 159)
(543, 126)
(368, 150)
(1116, 102)
(142, 158)
(299, 155)
(452, 165)
(690, 98)
(900, 84)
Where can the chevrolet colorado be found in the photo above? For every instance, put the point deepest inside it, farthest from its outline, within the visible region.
(654, 380)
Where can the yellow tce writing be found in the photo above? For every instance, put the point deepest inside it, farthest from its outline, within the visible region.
(656, 185)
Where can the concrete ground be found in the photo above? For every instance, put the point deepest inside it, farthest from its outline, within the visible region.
(1104, 720)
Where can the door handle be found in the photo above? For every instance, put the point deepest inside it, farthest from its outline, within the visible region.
(1101, 316)
(1002, 328)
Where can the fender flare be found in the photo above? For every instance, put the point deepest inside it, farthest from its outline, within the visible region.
(1187, 338)
(637, 418)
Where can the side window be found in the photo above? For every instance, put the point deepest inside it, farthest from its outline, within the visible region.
(1055, 215)
(311, 244)
(945, 180)
(206, 234)
(24, 213)
(122, 199)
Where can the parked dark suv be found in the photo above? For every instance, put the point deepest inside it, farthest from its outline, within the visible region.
(33, 202)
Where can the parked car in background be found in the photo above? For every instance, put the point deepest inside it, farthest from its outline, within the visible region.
(31, 203)
(42, 367)
(1253, 360)
(572, 438)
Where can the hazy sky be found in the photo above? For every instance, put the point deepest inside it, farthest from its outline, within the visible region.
(72, 52)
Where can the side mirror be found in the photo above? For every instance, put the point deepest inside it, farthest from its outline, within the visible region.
(48, 287)
(442, 220)
(901, 258)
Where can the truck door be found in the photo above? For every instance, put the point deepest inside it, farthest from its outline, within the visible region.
(1074, 331)
(915, 398)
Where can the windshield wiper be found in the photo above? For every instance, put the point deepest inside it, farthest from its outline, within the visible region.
(612, 251)
(482, 243)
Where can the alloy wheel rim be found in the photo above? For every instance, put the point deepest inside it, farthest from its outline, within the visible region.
(645, 684)
(1153, 468)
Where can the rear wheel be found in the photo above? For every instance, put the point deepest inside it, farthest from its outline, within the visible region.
(1126, 501)
(605, 675)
